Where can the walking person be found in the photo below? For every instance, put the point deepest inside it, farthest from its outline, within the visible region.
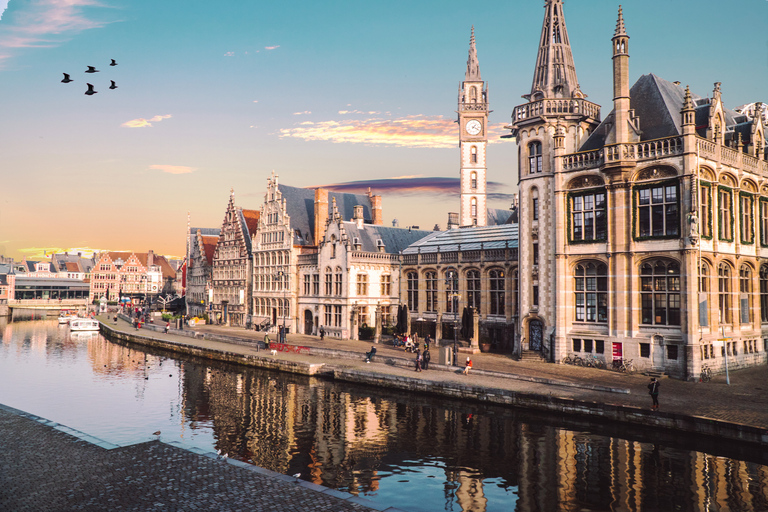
(425, 358)
(322, 334)
(653, 390)
(467, 367)
(418, 360)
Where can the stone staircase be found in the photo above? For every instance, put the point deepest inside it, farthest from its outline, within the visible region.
(659, 374)
(532, 356)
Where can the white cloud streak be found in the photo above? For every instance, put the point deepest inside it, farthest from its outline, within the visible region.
(144, 123)
(173, 169)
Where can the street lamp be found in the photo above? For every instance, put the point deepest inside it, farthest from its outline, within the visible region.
(452, 284)
(283, 276)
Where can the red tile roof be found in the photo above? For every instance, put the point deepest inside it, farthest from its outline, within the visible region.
(252, 220)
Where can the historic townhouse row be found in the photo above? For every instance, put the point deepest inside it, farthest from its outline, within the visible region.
(644, 235)
(139, 277)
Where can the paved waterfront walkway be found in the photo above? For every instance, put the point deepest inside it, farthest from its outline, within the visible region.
(744, 401)
(46, 467)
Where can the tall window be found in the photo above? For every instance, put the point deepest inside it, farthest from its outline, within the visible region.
(413, 291)
(660, 292)
(534, 204)
(386, 285)
(430, 281)
(473, 180)
(591, 287)
(705, 227)
(497, 288)
(724, 292)
(328, 282)
(764, 293)
(588, 216)
(534, 157)
(746, 208)
(473, 207)
(535, 253)
(315, 284)
(473, 155)
(725, 218)
(336, 316)
(338, 282)
(745, 295)
(328, 317)
(362, 284)
(764, 222)
(658, 211)
(451, 289)
(704, 294)
(473, 289)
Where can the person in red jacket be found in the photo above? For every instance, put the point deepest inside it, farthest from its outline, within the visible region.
(468, 366)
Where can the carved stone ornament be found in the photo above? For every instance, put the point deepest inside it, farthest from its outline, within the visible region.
(535, 232)
(655, 173)
(589, 181)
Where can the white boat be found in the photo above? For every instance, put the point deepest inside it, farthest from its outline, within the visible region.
(83, 324)
(64, 318)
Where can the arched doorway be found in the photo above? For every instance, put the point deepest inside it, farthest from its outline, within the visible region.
(308, 322)
(535, 335)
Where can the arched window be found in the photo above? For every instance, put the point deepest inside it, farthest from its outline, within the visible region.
(328, 281)
(473, 207)
(473, 289)
(473, 180)
(473, 94)
(451, 290)
(704, 294)
(338, 282)
(660, 292)
(473, 155)
(658, 207)
(534, 157)
(591, 288)
(724, 292)
(497, 285)
(413, 291)
(725, 210)
(764, 293)
(745, 297)
(430, 281)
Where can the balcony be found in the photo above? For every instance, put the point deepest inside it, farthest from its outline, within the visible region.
(553, 107)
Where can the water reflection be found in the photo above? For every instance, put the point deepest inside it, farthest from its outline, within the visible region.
(409, 451)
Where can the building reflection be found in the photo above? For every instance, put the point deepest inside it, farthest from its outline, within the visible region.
(352, 440)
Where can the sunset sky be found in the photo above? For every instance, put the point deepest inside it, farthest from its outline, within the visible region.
(217, 95)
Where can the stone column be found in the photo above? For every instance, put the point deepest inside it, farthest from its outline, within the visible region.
(354, 333)
(377, 335)
(474, 340)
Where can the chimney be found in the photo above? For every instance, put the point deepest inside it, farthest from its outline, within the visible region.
(358, 216)
(378, 216)
(321, 213)
(380, 245)
(150, 258)
(453, 220)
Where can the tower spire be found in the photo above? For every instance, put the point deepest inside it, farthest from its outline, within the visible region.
(473, 66)
(555, 73)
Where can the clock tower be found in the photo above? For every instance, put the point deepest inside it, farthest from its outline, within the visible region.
(473, 138)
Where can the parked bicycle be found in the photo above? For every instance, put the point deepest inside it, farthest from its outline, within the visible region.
(573, 359)
(706, 373)
(624, 366)
(594, 362)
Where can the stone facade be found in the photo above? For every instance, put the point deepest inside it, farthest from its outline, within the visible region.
(199, 289)
(644, 236)
(138, 277)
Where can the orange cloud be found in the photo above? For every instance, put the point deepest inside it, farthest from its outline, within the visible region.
(412, 131)
(144, 123)
(173, 169)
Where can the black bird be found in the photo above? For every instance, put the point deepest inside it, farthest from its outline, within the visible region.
(66, 78)
(90, 90)
(91, 69)
(113, 63)
(113, 86)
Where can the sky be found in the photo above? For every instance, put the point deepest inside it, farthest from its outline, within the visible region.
(215, 96)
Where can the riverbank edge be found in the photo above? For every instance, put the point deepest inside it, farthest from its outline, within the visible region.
(308, 486)
(606, 412)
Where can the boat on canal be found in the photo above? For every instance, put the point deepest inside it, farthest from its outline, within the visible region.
(66, 316)
(83, 324)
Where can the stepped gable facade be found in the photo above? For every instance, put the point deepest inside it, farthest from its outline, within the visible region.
(644, 235)
(199, 285)
(352, 280)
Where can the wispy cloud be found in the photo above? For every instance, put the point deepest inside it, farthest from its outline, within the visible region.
(416, 185)
(45, 23)
(144, 123)
(302, 113)
(271, 47)
(173, 169)
(229, 54)
(45, 253)
(416, 131)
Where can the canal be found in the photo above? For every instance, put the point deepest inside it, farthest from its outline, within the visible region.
(418, 453)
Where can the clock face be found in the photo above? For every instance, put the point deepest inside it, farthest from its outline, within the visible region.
(473, 127)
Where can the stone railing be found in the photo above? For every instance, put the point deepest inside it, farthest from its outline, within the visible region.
(583, 160)
(307, 259)
(474, 106)
(378, 256)
(449, 257)
(647, 150)
(750, 163)
(706, 148)
(551, 107)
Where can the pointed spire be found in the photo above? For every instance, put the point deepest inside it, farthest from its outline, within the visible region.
(687, 101)
(555, 73)
(473, 66)
(620, 31)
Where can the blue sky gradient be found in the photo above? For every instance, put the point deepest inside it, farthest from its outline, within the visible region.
(213, 96)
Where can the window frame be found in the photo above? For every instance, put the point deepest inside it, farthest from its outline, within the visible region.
(596, 299)
(636, 210)
(659, 299)
(750, 197)
(535, 152)
(571, 219)
(705, 210)
(720, 213)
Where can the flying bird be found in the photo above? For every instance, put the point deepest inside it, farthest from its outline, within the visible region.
(66, 79)
(113, 63)
(91, 69)
(156, 433)
(90, 90)
(113, 86)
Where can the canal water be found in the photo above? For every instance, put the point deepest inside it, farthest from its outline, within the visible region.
(418, 453)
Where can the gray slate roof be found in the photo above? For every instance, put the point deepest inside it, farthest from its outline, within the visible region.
(206, 231)
(497, 217)
(394, 239)
(300, 203)
(468, 239)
